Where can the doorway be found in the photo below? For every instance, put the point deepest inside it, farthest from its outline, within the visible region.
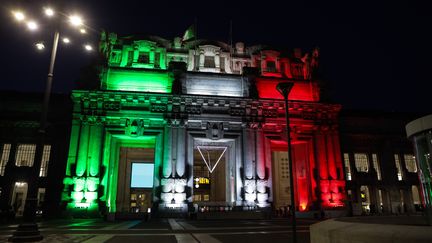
(209, 175)
(18, 197)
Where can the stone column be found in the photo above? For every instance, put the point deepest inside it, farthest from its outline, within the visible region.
(81, 163)
(248, 153)
(181, 152)
(95, 146)
(260, 154)
(217, 60)
(201, 59)
(167, 166)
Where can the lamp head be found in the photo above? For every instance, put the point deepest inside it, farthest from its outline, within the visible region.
(284, 88)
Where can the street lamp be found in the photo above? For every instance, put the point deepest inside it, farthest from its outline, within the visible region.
(28, 231)
(284, 88)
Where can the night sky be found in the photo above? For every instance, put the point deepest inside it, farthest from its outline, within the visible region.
(374, 55)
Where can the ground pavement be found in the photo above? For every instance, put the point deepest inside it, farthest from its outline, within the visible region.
(168, 230)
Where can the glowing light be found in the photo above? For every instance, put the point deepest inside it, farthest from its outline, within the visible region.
(134, 80)
(88, 47)
(196, 185)
(66, 40)
(303, 206)
(40, 46)
(32, 25)
(19, 16)
(75, 20)
(83, 31)
(49, 12)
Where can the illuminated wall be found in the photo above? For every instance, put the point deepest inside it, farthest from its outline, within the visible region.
(221, 99)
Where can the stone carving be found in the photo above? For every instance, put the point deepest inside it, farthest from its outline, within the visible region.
(167, 184)
(134, 127)
(179, 185)
(262, 186)
(250, 186)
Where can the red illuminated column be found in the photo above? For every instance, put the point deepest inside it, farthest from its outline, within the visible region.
(321, 155)
(331, 163)
(337, 152)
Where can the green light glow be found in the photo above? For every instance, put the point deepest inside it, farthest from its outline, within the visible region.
(138, 80)
(124, 141)
(81, 165)
(95, 149)
(73, 146)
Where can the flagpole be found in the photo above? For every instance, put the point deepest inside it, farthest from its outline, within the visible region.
(196, 28)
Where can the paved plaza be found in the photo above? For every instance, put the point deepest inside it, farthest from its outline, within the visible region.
(168, 230)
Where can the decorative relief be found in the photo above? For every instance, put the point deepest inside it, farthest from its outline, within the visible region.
(134, 127)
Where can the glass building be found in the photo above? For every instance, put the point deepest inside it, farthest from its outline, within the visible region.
(420, 132)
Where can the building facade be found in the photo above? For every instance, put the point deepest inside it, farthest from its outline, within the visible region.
(180, 126)
(380, 166)
(20, 163)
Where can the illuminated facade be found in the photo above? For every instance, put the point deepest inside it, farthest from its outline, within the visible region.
(209, 122)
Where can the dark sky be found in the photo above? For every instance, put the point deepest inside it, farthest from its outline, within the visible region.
(375, 55)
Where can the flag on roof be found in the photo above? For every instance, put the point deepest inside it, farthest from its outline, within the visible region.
(189, 33)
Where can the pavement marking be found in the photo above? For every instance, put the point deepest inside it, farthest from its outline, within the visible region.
(259, 232)
(99, 238)
(187, 226)
(185, 238)
(205, 238)
(124, 225)
(174, 225)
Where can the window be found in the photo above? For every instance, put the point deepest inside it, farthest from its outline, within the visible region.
(271, 66)
(398, 167)
(347, 166)
(361, 162)
(5, 157)
(209, 62)
(376, 166)
(45, 159)
(410, 163)
(144, 57)
(25, 155)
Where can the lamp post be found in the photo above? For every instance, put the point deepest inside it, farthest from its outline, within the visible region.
(284, 88)
(28, 231)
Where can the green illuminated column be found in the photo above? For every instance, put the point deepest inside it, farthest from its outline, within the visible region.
(83, 150)
(94, 153)
(167, 160)
(73, 147)
(158, 162)
(106, 163)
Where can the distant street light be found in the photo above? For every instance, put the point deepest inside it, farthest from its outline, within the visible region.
(32, 25)
(40, 46)
(19, 16)
(49, 12)
(28, 231)
(75, 20)
(88, 47)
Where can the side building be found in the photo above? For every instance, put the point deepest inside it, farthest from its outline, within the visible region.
(379, 161)
(20, 115)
